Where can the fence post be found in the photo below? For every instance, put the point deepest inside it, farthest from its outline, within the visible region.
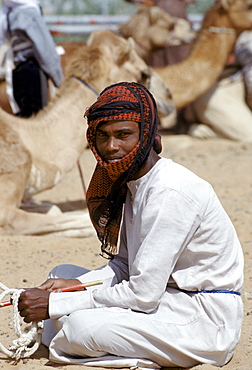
(105, 7)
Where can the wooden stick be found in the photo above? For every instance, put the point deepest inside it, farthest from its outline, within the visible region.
(82, 178)
(78, 286)
(4, 304)
(71, 288)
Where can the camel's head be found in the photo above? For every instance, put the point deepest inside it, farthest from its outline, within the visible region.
(110, 58)
(152, 28)
(122, 63)
(237, 12)
(160, 26)
(183, 32)
(117, 59)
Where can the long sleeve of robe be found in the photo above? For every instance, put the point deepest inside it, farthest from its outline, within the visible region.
(175, 235)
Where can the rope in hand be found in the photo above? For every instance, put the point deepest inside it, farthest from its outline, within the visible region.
(26, 343)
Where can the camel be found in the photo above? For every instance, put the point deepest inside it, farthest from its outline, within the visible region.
(221, 26)
(69, 48)
(194, 76)
(152, 29)
(37, 152)
(155, 29)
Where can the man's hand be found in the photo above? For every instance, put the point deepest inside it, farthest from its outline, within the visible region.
(33, 304)
(58, 284)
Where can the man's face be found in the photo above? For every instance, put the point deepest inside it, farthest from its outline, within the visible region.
(116, 139)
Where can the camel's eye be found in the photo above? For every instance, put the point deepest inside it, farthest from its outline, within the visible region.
(171, 27)
(145, 75)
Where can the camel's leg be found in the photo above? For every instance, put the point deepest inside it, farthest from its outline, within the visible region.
(15, 169)
(201, 131)
(224, 110)
(168, 121)
(72, 224)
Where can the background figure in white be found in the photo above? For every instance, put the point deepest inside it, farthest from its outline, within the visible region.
(32, 57)
(243, 54)
(225, 109)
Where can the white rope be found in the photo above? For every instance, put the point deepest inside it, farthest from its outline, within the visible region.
(21, 347)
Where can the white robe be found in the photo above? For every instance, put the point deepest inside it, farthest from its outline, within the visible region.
(175, 235)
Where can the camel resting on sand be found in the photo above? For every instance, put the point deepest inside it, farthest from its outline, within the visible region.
(194, 76)
(36, 153)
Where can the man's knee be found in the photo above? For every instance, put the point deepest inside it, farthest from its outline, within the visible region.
(67, 271)
(85, 333)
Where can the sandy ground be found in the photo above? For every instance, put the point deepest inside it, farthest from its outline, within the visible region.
(25, 261)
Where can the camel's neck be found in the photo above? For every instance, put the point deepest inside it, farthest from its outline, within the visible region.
(71, 101)
(85, 83)
(193, 76)
(142, 50)
(56, 137)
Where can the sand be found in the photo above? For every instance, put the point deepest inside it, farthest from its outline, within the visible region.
(26, 260)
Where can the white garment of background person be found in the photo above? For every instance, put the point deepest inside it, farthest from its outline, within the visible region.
(225, 109)
(24, 27)
(175, 236)
(243, 54)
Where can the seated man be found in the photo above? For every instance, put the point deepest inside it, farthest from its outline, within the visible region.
(171, 291)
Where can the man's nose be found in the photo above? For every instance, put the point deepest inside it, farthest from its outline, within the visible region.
(112, 144)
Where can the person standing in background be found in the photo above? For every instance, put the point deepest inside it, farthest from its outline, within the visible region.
(32, 58)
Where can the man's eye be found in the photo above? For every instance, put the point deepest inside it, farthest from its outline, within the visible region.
(101, 134)
(124, 134)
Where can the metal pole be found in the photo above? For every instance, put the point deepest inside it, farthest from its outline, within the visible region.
(105, 7)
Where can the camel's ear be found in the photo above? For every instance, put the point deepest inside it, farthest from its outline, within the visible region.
(226, 3)
(154, 14)
(125, 51)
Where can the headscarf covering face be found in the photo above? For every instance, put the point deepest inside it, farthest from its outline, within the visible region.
(124, 101)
